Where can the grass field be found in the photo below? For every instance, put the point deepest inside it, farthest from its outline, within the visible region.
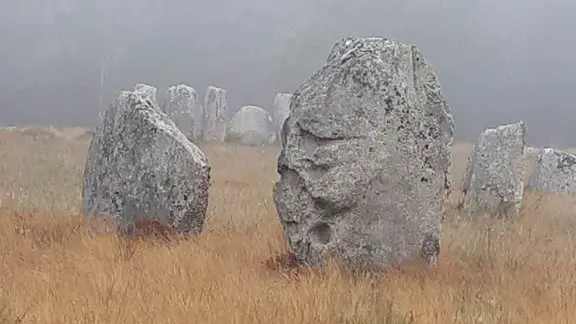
(54, 269)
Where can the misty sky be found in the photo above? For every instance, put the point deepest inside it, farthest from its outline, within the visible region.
(498, 61)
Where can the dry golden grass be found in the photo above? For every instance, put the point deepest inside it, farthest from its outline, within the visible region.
(53, 269)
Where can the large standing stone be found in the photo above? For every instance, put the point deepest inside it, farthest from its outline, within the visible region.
(140, 165)
(280, 111)
(494, 180)
(366, 157)
(251, 125)
(149, 92)
(554, 172)
(181, 104)
(215, 114)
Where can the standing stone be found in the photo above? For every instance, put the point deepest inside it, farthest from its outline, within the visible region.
(366, 157)
(147, 91)
(251, 125)
(140, 165)
(280, 111)
(215, 114)
(181, 104)
(554, 172)
(494, 180)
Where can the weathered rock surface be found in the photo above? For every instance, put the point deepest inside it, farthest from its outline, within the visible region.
(366, 157)
(149, 92)
(251, 125)
(215, 114)
(493, 183)
(280, 111)
(140, 165)
(182, 106)
(554, 172)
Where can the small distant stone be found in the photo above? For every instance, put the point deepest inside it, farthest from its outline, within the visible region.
(554, 172)
(280, 111)
(140, 166)
(182, 106)
(251, 126)
(493, 183)
(215, 114)
(532, 150)
(147, 91)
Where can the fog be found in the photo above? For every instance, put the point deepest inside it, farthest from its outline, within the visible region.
(498, 61)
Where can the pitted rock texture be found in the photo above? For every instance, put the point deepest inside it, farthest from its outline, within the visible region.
(554, 172)
(251, 126)
(493, 183)
(148, 91)
(215, 114)
(182, 106)
(280, 111)
(140, 165)
(366, 157)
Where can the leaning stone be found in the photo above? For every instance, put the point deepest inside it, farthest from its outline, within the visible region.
(493, 183)
(554, 172)
(181, 104)
(252, 126)
(140, 165)
(280, 111)
(215, 114)
(366, 158)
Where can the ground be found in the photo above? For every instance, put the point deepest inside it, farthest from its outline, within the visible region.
(55, 269)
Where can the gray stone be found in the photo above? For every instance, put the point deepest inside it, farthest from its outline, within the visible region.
(493, 183)
(215, 114)
(252, 126)
(280, 111)
(181, 104)
(554, 172)
(140, 165)
(149, 92)
(366, 157)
